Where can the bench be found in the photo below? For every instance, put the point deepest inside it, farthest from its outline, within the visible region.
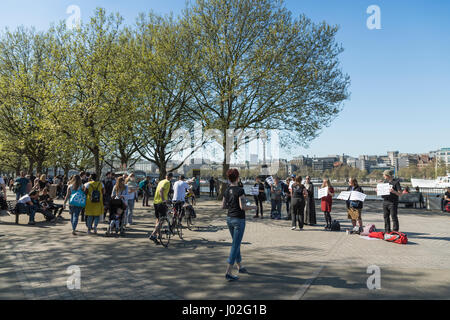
(13, 209)
(410, 198)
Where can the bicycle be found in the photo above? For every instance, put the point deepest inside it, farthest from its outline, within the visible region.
(167, 226)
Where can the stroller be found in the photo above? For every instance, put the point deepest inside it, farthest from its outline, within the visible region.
(117, 217)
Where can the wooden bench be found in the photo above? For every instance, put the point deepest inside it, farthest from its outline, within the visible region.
(13, 209)
(410, 198)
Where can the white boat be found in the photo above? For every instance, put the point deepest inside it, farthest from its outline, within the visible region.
(440, 182)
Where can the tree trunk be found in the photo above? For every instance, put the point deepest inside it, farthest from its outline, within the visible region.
(30, 167)
(66, 171)
(39, 167)
(98, 169)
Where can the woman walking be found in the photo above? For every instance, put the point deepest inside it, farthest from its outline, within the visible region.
(74, 185)
(298, 196)
(234, 200)
(326, 202)
(132, 187)
(310, 204)
(354, 208)
(94, 202)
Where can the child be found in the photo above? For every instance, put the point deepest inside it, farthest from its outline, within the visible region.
(116, 218)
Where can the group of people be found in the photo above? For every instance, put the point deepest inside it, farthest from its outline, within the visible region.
(301, 199)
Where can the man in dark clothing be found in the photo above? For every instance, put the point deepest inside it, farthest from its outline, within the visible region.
(212, 184)
(390, 202)
(22, 185)
(109, 183)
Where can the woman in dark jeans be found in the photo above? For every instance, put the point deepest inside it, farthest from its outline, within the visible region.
(234, 201)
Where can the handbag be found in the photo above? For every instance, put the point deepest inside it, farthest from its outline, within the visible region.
(78, 199)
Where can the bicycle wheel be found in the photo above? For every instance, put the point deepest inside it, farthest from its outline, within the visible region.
(179, 227)
(164, 236)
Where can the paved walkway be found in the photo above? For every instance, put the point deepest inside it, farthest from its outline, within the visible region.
(283, 264)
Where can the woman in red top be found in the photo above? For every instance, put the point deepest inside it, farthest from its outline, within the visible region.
(327, 202)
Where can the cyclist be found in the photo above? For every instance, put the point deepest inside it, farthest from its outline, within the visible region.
(180, 187)
(160, 203)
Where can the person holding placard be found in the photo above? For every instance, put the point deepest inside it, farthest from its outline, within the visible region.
(354, 207)
(390, 202)
(326, 202)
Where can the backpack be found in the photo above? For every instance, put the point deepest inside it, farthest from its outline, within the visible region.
(335, 226)
(396, 237)
(142, 184)
(447, 207)
(378, 235)
(95, 197)
(298, 192)
(368, 229)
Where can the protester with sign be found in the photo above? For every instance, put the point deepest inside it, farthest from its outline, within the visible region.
(354, 207)
(390, 202)
(326, 202)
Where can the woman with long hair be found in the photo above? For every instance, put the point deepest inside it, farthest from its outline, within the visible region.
(354, 208)
(326, 202)
(298, 198)
(74, 185)
(120, 191)
(234, 200)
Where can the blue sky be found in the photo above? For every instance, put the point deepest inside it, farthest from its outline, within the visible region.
(400, 75)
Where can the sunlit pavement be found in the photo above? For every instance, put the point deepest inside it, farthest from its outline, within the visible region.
(37, 262)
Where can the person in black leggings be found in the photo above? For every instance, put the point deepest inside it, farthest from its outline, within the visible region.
(298, 194)
(259, 198)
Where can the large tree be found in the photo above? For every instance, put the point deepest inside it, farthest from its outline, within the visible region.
(162, 130)
(91, 81)
(255, 67)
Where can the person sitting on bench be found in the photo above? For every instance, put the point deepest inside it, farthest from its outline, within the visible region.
(26, 205)
(47, 203)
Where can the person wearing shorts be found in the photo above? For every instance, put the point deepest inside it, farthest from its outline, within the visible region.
(161, 197)
(354, 208)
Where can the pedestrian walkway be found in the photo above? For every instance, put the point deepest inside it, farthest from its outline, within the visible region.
(283, 264)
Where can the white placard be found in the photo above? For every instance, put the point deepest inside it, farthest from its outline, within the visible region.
(357, 196)
(255, 191)
(344, 195)
(270, 181)
(322, 192)
(383, 189)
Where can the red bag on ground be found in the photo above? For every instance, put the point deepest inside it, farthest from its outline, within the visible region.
(379, 235)
(447, 207)
(396, 237)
